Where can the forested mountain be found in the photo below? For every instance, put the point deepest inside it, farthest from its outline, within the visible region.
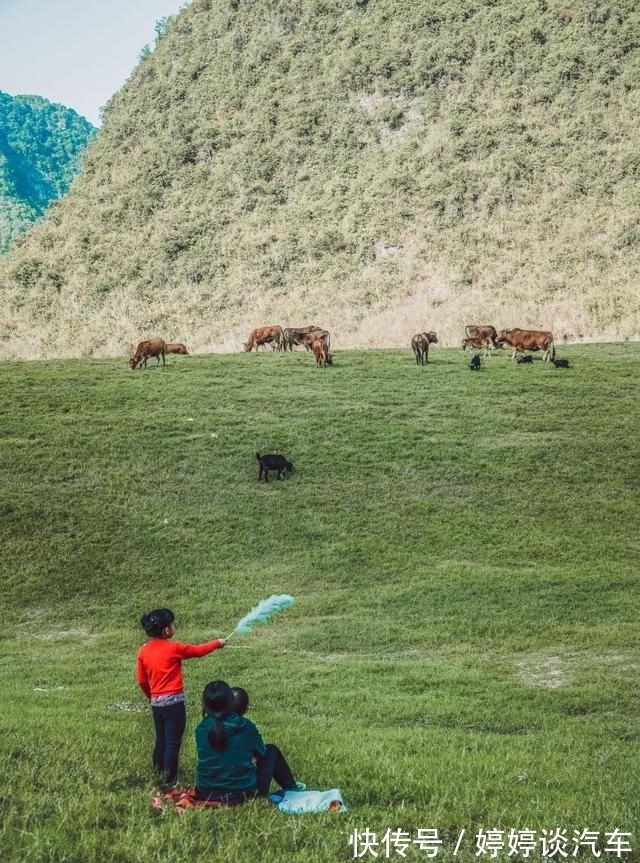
(374, 166)
(41, 145)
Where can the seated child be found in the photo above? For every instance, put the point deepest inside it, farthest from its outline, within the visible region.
(233, 762)
(240, 700)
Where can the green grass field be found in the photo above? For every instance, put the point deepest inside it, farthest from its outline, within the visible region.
(463, 550)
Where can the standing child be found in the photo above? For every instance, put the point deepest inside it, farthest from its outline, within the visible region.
(159, 675)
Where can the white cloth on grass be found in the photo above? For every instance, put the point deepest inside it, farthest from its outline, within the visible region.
(301, 802)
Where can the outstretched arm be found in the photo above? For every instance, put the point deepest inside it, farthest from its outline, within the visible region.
(189, 651)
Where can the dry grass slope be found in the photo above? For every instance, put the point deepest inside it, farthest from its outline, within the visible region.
(378, 168)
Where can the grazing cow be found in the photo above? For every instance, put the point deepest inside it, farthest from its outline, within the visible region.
(527, 340)
(474, 365)
(292, 335)
(272, 461)
(264, 336)
(561, 364)
(420, 345)
(148, 348)
(478, 342)
(175, 348)
(525, 359)
(308, 339)
(321, 353)
(481, 331)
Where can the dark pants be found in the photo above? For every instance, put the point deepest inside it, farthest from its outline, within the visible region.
(169, 722)
(273, 765)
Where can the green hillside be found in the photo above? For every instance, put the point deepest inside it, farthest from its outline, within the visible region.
(377, 167)
(41, 146)
(462, 653)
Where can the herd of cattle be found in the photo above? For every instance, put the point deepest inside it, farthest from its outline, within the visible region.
(312, 338)
(517, 340)
(317, 340)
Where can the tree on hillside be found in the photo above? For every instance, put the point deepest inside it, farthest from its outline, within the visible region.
(41, 146)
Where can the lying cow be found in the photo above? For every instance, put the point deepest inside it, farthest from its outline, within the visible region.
(527, 340)
(146, 349)
(272, 335)
(420, 346)
(175, 348)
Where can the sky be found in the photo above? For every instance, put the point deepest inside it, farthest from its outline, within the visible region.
(75, 52)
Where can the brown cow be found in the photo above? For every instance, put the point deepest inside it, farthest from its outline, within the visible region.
(175, 348)
(321, 352)
(264, 336)
(420, 345)
(477, 343)
(308, 339)
(527, 340)
(481, 331)
(292, 335)
(148, 348)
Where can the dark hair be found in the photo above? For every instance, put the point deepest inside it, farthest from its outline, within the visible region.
(155, 622)
(217, 702)
(240, 700)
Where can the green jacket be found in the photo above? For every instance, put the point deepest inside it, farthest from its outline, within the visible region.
(233, 769)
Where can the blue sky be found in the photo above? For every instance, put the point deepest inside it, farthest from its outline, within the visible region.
(76, 52)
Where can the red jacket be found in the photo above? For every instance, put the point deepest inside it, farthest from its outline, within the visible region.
(159, 664)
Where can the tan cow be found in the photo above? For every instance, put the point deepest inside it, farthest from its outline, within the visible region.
(263, 336)
(527, 340)
(148, 348)
(481, 331)
(477, 343)
(175, 348)
(420, 346)
(320, 352)
(292, 335)
(308, 339)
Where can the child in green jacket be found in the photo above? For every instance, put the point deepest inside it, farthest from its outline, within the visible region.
(233, 761)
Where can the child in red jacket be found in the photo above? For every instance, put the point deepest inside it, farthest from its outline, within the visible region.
(159, 675)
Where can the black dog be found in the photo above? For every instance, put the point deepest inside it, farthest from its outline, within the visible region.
(561, 364)
(526, 359)
(474, 365)
(271, 461)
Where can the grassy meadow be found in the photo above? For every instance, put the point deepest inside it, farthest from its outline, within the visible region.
(463, 549)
